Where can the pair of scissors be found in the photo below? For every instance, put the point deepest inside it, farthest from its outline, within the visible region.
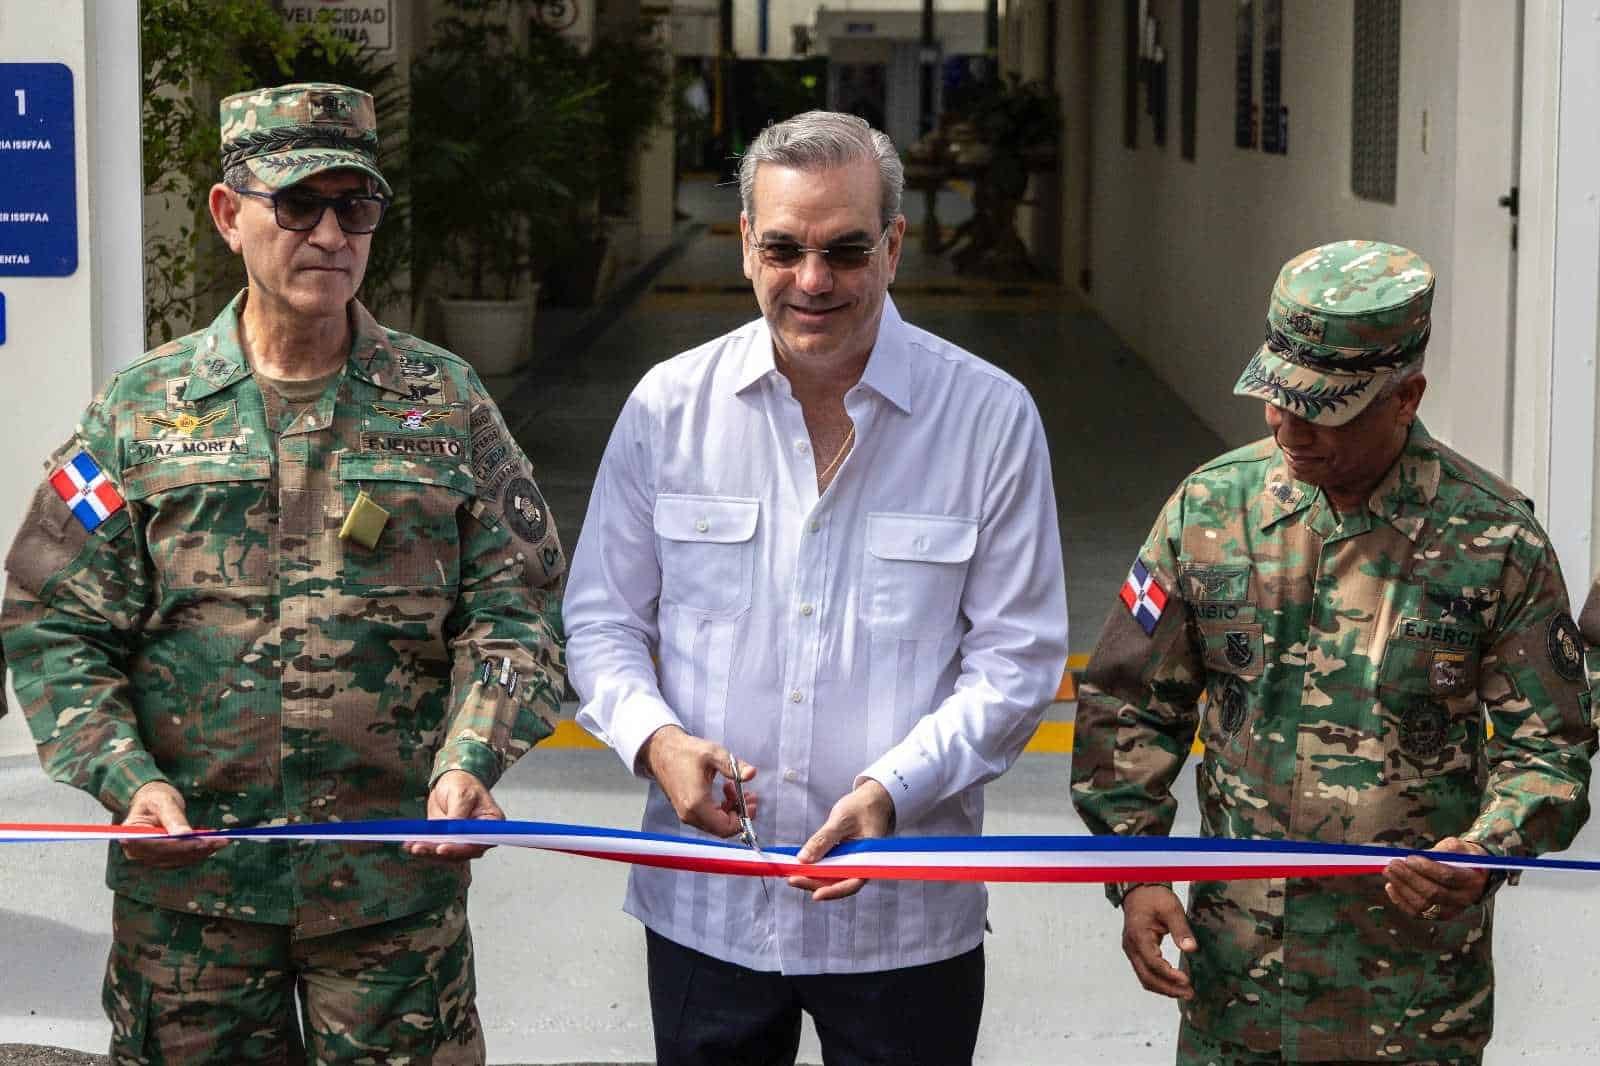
(747, 828)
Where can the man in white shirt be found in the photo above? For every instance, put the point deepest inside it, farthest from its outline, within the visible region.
(838, 536)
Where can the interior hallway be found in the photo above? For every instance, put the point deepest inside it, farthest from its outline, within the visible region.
(559, 966)
(1119, 438)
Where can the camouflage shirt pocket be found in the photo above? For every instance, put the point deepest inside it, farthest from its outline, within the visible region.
(207, 522)
(418, 542)
(1429, 716)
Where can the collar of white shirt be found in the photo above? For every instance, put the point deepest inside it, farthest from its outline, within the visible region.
(888, 371)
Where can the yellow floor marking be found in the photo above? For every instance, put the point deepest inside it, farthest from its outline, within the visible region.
(570, 734)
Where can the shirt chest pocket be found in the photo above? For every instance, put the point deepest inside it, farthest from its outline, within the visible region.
(707, 551)
(418, 544)
(207, 524)
(1428, 705)
(913, 572)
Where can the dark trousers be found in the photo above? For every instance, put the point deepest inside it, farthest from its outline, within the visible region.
(713, 1013)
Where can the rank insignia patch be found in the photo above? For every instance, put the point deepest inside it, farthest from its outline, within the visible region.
(411, 417)
(1144, 597)
(417, 368)
(87, 492)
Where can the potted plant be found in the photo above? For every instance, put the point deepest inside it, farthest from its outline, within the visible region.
(628, 76)
(632, 74)
(496, 124)
(1011, 128)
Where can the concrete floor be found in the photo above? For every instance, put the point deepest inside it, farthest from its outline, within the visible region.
(560, 967)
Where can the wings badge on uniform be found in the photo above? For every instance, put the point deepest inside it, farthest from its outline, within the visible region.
(186, 424)
(411, 417)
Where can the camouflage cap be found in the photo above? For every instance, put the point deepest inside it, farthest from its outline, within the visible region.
(288, 133)
(1344, 319)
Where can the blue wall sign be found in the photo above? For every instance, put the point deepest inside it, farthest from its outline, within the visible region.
(39, 193)
(2, 318)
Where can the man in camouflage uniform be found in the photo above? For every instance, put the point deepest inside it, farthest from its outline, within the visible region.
(1351, 597)
(289, 569)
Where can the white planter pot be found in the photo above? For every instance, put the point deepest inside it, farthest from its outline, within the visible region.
(495, 336)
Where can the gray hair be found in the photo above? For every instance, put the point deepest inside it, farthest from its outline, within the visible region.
(817, 140)
(1401, 376)
(238, 176)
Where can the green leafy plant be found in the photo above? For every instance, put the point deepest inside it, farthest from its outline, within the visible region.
(1017, 120)
(193, 54)
(501, 138)
(631, 72)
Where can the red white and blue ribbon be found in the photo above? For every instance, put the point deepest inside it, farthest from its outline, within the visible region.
(1054, 859)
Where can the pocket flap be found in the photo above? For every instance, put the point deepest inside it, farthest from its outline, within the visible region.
(358, 466)
(710, 519)
(922, 538)
(147, 479)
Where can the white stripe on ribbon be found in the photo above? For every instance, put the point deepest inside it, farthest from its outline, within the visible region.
(1061, 859)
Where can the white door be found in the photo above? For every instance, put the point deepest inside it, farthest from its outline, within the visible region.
(1481, 278)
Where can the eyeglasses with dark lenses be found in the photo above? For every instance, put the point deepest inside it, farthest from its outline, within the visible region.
(300, 211)
(846, 255)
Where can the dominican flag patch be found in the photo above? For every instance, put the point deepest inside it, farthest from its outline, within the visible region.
(86, 491)
(1144, 597)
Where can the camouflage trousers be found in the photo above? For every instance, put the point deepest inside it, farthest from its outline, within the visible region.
(1199, 1049)
(184, 988)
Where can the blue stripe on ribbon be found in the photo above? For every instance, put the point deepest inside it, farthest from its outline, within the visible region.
(1109, 845)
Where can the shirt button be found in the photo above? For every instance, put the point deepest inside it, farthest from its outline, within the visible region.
(815, 525)
(806, 609)
(794, 697)
(801, 447)
(791, 775)
(921, 544)
(702, 525)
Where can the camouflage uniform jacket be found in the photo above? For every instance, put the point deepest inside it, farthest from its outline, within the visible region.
(217, 633)
(1347, 670)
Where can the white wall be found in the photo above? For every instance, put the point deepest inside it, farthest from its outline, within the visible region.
(48, 363)
(1183, 254)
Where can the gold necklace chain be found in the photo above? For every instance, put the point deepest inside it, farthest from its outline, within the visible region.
(848, 437)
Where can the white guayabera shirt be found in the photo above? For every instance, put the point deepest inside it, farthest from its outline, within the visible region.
(910, 625)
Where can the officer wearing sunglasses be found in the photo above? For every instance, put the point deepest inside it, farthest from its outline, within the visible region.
(836, 533)
(291, 568)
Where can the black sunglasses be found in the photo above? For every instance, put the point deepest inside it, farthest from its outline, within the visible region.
(846, 255)
(298, 210)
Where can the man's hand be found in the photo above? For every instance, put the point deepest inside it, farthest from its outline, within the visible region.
(457, 794)
(866, 811)
(1431, 890)
(1149, 913)
(158, 803)
(684, 766)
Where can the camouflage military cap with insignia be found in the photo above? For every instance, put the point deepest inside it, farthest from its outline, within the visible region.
(1343, 320)
(288, 133)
